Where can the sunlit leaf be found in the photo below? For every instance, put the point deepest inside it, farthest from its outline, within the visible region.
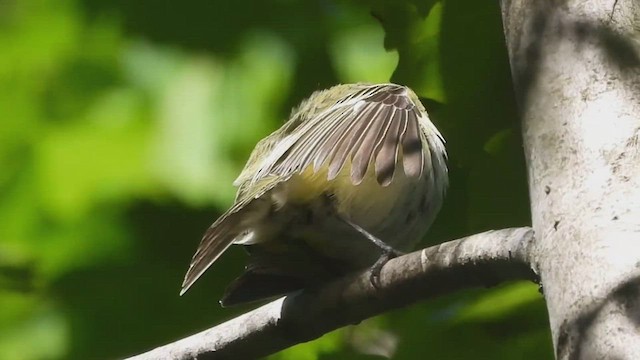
(359, 56)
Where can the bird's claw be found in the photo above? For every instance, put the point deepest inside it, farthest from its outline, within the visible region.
(376, 268)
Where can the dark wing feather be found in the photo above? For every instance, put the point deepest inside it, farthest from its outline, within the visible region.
(349, 140)
(387, 156)
(323, 151)
(374, 124)
(364, 153)
(412, 151)
(311, 137)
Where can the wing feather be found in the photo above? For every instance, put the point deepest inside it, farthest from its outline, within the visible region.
(324, 150)
(311, 140)
(387, 155)
(412, 149)
(350, 139)
(364, 153)
(368, 125)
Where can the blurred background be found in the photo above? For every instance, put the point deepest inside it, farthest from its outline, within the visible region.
(124, 123)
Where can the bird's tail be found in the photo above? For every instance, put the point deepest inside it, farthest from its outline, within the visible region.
(216, 241)
(272, 273)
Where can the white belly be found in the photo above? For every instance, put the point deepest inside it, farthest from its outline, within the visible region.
(396, 214)
(305, 206)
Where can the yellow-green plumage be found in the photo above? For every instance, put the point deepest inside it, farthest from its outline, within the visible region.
(363, 153)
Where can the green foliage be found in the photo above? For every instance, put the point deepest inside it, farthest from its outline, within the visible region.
(414, 31)
(123, 125)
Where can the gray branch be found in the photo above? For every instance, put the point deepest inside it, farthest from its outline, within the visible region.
(485, 259)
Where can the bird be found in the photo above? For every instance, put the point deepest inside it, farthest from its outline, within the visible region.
(354, 178)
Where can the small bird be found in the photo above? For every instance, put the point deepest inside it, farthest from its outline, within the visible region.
(354, 178)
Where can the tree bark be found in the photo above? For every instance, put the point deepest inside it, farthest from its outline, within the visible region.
(576, 72)
(484, 259)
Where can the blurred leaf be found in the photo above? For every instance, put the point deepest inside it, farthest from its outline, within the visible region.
(498, 142)
(371, 338)
(26, 321)
(499, 303)
(327, 344)
(100, 158)
(359, 56)
(415, 33)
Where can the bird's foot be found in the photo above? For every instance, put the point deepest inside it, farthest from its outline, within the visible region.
(374, 272)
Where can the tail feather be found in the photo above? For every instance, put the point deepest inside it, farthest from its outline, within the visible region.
(273, 272)
(253, 286)
(215, 241)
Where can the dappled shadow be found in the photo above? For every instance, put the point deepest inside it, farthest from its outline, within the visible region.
(549, 25)
(574, 334)
(619, 49)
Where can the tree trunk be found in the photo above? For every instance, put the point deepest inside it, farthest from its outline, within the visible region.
(576, 70)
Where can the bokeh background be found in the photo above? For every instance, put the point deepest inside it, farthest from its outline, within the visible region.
(123, 124)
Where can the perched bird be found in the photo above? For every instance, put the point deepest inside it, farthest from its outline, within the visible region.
(354, 177)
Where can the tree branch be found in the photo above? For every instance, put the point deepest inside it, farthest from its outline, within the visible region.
(484, 259)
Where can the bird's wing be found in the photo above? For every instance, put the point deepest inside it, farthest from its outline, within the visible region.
(376, 124)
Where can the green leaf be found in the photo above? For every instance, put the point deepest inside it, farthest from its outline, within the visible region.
(415, 33)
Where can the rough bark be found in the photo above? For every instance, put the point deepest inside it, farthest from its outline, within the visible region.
(576, 70)
(484, 259)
